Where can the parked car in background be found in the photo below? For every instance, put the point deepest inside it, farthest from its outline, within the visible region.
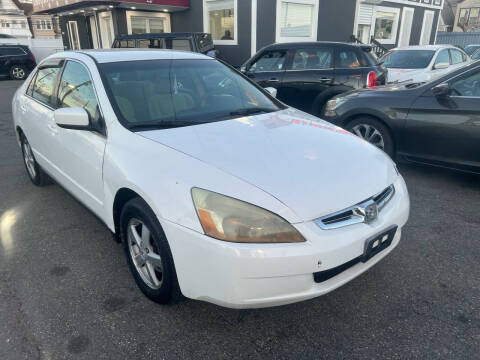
(16, 61)
(186, 41)
(436, 122)
(476, 55)
(306, 75)
(422, 63)
(191, 164)
(470, 49)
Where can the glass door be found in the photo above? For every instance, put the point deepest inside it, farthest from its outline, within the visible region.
(106, 30)
(73, 35)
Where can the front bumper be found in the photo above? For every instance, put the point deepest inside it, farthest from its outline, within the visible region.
(261, 275)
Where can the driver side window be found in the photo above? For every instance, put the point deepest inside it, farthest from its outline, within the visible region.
(76, 90)
(442, 57)
(468, 85)
(269, 61)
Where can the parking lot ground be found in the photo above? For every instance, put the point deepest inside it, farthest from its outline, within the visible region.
(66, 292)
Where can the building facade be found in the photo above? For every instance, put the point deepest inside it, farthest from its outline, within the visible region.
(241, 27)
(467, 16)
(13, 21)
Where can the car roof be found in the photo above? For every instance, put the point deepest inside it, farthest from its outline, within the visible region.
(426, 47)
(158, 35)
(117, 55)
(294, 45)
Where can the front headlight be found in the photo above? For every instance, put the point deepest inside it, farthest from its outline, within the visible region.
(228, 219)
(332, 105)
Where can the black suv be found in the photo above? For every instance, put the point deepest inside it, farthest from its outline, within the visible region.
(16, 61)
(306, 75)
(188, 41)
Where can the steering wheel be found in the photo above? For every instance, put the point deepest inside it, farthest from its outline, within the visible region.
(203, 100)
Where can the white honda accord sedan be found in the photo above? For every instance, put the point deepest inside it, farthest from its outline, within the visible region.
(217, 190)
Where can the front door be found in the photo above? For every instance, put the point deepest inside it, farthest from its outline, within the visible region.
(268, 70)
(73, 35)
(78, 154)
(309, 73)
(106, 29)
(447, 130)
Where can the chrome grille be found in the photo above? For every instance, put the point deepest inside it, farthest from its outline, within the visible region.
(359, 213)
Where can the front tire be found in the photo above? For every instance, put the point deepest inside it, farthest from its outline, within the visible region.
(34, 171)
(18, 72)
(148, 253)
(374, 132)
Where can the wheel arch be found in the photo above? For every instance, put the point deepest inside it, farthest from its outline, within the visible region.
(122, 196)
(322, 97)
(19, 133)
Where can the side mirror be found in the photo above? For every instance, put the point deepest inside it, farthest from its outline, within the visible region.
(272, 91)
(441, 91)
(72, 118)
(442, 65)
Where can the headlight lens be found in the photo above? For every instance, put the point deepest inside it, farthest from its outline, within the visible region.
(332, 105)
(228, 219)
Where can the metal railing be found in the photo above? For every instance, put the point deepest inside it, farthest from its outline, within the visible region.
(377, 47)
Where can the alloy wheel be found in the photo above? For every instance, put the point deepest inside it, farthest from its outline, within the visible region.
(144, 253)
(29, 159)
(370, 134)
(18, 73)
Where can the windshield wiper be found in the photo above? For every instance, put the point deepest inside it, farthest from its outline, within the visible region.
(162, 124)
(251, 111)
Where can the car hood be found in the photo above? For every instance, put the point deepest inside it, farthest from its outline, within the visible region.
(310, 165)
(406, 75)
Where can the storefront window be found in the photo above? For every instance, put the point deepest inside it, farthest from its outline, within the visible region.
(221, 19)
(146, 23)
(296, 20)
(462, 19)
(473, 19)
(386, 24)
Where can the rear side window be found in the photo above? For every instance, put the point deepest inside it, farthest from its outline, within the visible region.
(126, 44)
(45, 84)
(150, 44)
(312, 59)
(269, 61)
(179, 44)
(348, 59)
(11, 51)
(76, 90)
(457, 57)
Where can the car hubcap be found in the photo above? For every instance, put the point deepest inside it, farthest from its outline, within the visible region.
(144, 254)
(18, 73)
(370, 134)
(29, 159)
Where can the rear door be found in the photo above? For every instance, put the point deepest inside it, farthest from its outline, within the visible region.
(309, 73)
(38, 113)
(268, 69)
(351, 69)
(458, 59)
(447, 130)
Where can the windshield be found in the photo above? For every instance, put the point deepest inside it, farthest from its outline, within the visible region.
(166, 93)
(408, 59)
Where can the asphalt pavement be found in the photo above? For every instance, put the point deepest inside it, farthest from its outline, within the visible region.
(66, 291)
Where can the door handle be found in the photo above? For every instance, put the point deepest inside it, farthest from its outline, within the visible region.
(325, 80)
(273, 80)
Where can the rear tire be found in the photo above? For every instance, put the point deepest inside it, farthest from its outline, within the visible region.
(34, 171)
(374, 132)
(148, 253)
(18, 72)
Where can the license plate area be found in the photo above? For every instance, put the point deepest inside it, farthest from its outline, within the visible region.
(378, 242)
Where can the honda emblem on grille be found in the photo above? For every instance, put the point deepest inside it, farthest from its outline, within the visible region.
(369, 211)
